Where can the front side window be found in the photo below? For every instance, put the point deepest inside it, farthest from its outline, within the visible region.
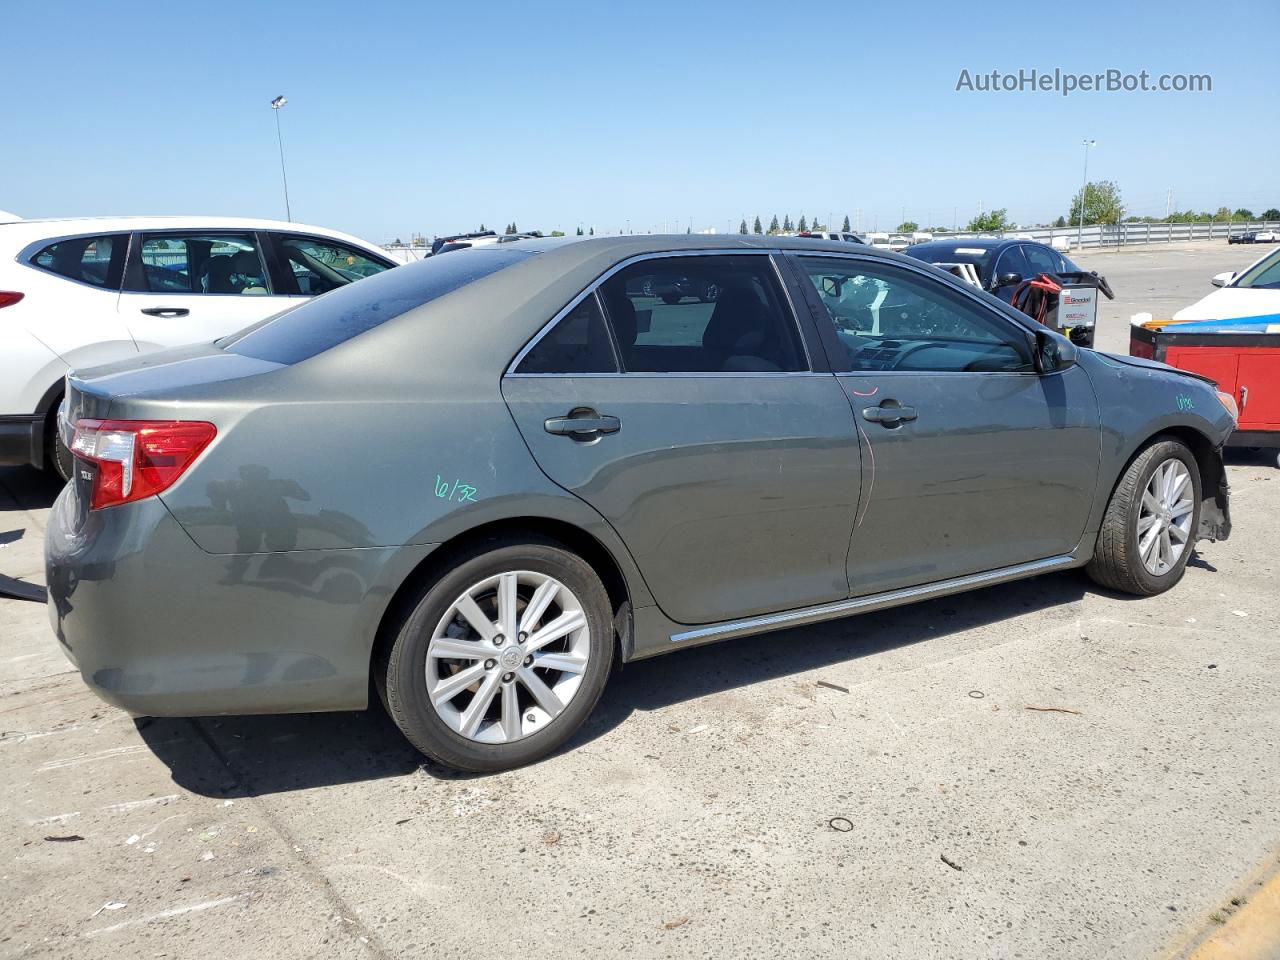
(1262, 276)
(1042, 259)
(96, 261)
(885, 318)
(708, 314)
(222, 263)
(318, 266)
(1012, 260)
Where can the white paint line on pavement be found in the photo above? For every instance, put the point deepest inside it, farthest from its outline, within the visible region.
(115, 753)
(172, 912)
(135, 804)
(56, 818)
(21, 736)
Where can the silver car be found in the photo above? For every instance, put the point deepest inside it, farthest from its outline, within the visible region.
(482, 480)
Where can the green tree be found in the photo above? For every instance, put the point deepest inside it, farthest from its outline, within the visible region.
(481, 230)
(1244, 213)
(993, 221)
(773, 224)
(557, 233)
(908, 226)
(802, 226)
(1223, 214)
(756, 228)
(1271, 213)
(579, 233)
(511, 228)
(1101, 201)
(787, 226)
(1060, 222)
(742, 227)
(591, 231)
(845, 226)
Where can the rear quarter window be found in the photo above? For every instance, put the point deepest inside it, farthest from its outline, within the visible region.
(323, 323)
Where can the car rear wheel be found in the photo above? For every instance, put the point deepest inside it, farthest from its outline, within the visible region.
(502, 658)
(1149, 530)
(57, 455)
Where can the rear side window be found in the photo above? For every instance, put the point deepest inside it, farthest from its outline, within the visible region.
(1042, 259)
(219, 263)
(320, 324)
(579, 343)
(707, 314)
(97, 261)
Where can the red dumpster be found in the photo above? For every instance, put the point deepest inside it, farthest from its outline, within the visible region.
(1244, 362)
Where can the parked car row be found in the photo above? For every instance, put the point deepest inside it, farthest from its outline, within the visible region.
(476, 482)
(76, 293)
(1255, 236)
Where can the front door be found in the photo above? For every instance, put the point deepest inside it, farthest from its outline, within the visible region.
(976, 461)
(699, 429)
(194, 287)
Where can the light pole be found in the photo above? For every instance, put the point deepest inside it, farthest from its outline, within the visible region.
(276, 104)
(1084, 190)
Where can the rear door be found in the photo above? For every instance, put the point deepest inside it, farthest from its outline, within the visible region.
(696, 423)
(976, 461)
(194, 286)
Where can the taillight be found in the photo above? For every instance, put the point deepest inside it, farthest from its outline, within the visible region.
(9, 297)
(137, 458)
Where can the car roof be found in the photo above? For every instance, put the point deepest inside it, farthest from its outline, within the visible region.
(977, 243)
(27, 231)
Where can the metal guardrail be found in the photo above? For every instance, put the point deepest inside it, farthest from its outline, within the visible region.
(1126, 234)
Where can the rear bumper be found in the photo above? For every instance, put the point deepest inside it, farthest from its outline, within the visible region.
(159, 627)
(21, 441)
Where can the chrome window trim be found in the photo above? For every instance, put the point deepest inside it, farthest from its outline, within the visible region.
(26, 257)
(875, 601)
(771, 252)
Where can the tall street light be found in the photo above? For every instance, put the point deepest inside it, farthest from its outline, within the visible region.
(1084, 189)
(276, 104)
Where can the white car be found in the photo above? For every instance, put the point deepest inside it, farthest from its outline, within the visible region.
(76, 293)
(1267, 236)
(1253, 292)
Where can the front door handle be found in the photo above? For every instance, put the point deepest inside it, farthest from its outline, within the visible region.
(166, 311)
(582, 423)
(888, 414)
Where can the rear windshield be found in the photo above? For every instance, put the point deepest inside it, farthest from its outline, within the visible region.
(980, 257)
(336, 317)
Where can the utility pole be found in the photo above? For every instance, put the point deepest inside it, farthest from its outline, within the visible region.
(1168, 205)
(276, 104)
(1084, 189)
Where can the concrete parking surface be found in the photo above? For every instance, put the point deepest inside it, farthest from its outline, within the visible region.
(1041, 769)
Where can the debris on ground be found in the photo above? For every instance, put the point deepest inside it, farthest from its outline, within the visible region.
(672, 924)
(842, 824)
(69, 838)
(833, 686)
(951, 863)
(1055, 710)
(977, 694)
(109, 905)
(1239, 613)
(551, 838)
(404, 821)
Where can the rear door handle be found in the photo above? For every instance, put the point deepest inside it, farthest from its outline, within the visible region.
(888, 414)
(166, 311)
(584, 423)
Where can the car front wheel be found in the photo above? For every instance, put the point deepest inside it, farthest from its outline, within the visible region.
(502, 658)
(1150, 525)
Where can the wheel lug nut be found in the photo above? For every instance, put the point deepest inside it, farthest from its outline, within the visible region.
(528, 661)
(523, 636)
(490, 664)
(508, 677)
(499, 640)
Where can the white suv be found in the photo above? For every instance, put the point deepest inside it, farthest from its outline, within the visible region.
(76, 293)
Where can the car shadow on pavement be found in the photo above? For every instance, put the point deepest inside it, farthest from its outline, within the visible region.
(260, 755)
(26, 488)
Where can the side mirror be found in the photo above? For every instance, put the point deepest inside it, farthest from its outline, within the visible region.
(1222, 279)
(1053, 352)
(1009, 279)
(831, 287)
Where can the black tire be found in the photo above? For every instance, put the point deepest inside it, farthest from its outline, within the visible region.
(1116, 562)
(404, 684)
(57, 456)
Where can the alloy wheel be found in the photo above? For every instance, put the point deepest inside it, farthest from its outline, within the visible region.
(507, 657)
(1164, 517)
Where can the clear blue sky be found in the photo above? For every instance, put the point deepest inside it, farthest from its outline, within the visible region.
(434, 116)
